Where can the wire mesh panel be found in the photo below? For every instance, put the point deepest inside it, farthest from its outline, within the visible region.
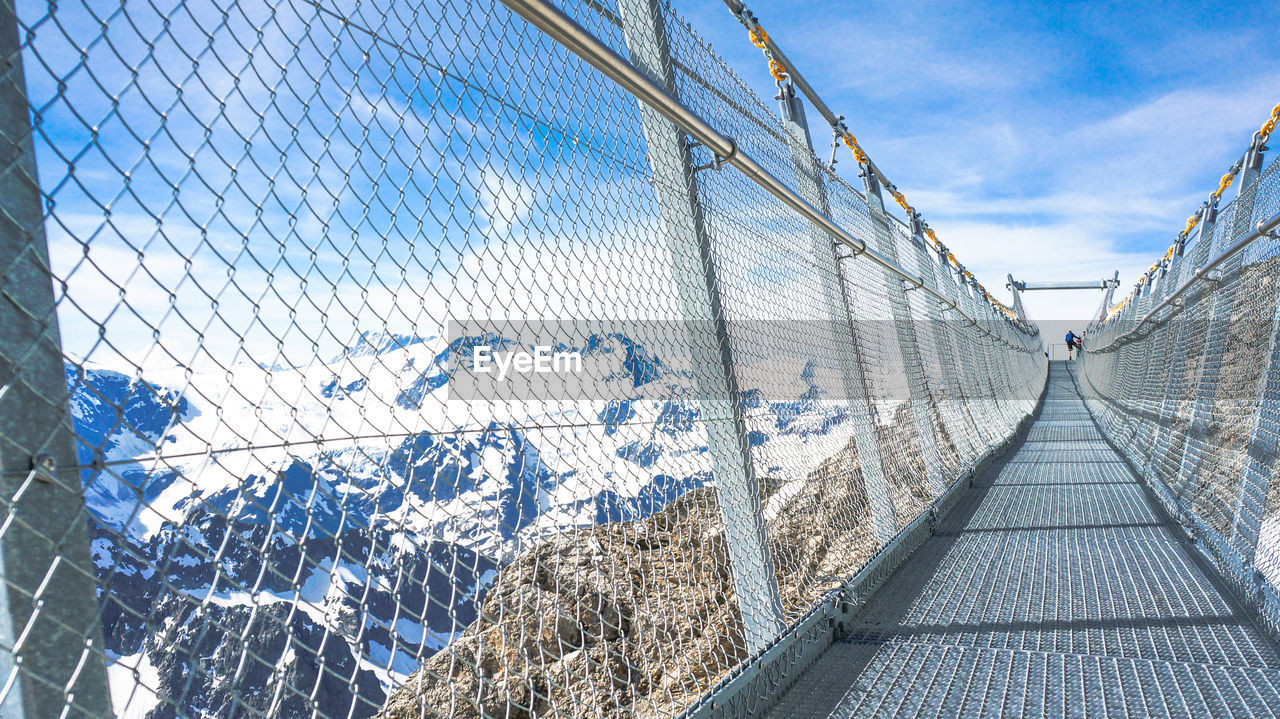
(1182, 384)
(282, 236)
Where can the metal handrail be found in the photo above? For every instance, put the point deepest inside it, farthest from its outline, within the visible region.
(581, 42)
(1264, 228)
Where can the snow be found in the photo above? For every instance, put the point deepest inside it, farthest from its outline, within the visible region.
(551, 465)
(133, 681)
(1269, 550)
(351, 436)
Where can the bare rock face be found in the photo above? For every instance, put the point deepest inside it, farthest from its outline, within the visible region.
(1216, 392)
(824, 532)
(1229, 421)
(637, 619)
(624, 619)
(904, 465)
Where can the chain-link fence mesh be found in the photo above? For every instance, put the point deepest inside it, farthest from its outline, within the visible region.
(262, 218)
(1184, 380)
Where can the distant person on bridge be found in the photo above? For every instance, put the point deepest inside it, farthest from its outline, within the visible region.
(1071, 342)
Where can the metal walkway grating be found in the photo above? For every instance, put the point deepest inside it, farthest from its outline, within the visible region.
(1054, 588)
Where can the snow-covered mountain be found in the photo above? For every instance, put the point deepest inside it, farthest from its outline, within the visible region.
(371, 514)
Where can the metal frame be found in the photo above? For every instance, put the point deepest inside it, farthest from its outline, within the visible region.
(780, 660)
(51, 644)
(1104, 284)
(50, 609)
(737, 485)
(578, 40)
(904, 327)
(879, 493)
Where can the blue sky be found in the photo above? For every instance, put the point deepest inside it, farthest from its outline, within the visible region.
(1056, 140)
(289, 187)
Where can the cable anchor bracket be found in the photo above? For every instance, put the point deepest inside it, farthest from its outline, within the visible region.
(717, 161)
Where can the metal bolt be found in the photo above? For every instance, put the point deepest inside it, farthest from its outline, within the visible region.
(44, 467)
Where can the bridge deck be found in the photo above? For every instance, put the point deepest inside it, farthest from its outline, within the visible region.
(1055, 588)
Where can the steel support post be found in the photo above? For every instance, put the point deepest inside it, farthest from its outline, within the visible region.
(973, 355)
(942, 375)
(1154, 359)
(845, 333)
(1165, 354)
(1135, 356)
(1224, 293)
(1122, 421)
(1117, 421)
(1008, 379)
(50, 634)
(1106, 300)
(999, 392)
(965, 363)
(1017, 299)
(1144, 302)
(913, 368)
(963, 360)
(996, 368)
(981, 349)
(1190, 336)
(997, 372)
(975, 352)
(737, 486)
(1153, 380)
(1176, 360)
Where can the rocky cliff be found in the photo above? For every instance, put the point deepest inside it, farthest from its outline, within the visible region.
(637, 618)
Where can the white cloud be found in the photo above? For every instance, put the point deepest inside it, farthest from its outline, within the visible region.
(1107, 194)
(505, 197)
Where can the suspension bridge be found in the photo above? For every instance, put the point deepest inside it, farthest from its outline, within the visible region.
(409, 359)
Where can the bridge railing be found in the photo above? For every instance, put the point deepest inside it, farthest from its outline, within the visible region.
(254, 256)
(1184, 377)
